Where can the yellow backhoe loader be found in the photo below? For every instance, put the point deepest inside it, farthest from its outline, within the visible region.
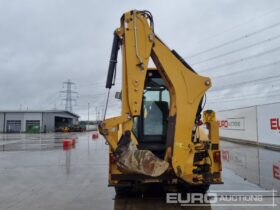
(159, 137)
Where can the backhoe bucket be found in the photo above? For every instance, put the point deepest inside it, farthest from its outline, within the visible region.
(139, 161)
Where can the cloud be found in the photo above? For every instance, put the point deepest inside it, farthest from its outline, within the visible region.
(44, 43)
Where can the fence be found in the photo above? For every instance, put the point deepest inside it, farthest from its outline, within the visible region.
(257, 124)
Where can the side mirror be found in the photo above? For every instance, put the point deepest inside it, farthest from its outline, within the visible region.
(118, 95)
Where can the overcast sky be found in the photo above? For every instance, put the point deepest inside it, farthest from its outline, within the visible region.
(46, 42)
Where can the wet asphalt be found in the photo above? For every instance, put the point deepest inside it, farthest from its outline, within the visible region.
(36, 173)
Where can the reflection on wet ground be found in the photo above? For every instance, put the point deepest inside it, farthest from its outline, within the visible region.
(33, 177)
(254, 164)
(29, 142)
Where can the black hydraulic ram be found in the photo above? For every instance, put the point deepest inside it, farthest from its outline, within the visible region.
(113, 61)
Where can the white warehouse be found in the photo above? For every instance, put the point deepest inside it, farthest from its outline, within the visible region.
(36, 121)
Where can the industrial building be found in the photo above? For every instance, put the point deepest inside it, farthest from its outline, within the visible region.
(36, 121)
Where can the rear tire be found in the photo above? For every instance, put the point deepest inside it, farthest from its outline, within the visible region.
(122, 191)
(202, 189)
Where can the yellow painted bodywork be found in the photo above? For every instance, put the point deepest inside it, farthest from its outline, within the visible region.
(186, 89)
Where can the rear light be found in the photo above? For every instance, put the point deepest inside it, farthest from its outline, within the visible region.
(112, 158)
(200, 123)
(217, 156)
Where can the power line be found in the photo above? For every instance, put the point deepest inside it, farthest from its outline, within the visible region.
(117, 85)
(244, 83)
(270, 96)
(267, 12)
(247, 70)
(92, 95)
(237, 50)
(51, 101)
(241, 59)
(235, 40)
(243, 98)
(249, 92)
